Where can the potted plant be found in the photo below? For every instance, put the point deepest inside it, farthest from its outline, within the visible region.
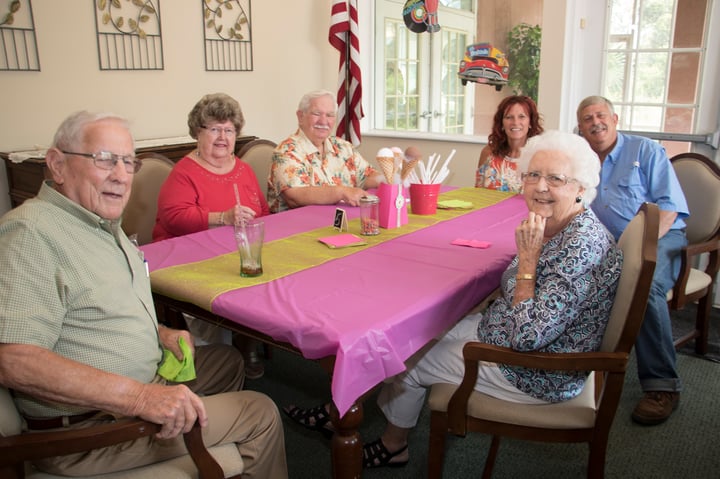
(524, 58)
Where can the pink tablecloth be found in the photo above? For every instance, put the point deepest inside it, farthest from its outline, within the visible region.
(372, 309)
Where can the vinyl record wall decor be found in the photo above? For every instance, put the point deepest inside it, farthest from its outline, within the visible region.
(228, 35)
(129, 36)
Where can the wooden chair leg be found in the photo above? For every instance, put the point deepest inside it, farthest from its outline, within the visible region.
(702, 324)
(596, 459)
(436, 450)
(492, 454)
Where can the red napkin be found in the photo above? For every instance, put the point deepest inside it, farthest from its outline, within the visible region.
(471, 243)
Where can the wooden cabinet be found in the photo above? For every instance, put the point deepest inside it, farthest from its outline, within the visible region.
(25, 178)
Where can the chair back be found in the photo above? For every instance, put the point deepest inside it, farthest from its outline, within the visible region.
(639, 246)
(700, 181)
(10, 420)
(258, 154)
(141, 210)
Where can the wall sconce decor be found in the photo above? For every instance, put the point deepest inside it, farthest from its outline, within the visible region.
(128, 34)
(228, 35)
(18, 45)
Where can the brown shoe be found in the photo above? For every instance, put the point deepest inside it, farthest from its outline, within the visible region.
(655, 407)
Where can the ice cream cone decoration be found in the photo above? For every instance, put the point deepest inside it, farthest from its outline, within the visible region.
(386, 160)
(396, 165)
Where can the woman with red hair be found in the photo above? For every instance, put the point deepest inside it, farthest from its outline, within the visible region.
(515, 120)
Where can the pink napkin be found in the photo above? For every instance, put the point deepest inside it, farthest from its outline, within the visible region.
(471, 243)
(342, 240)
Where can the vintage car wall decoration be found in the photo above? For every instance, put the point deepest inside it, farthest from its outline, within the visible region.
(484, 64)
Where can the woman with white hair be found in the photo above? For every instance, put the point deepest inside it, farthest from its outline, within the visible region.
(557, 294)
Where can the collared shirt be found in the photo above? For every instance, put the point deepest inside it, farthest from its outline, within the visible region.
(577, 276)
(297, 162)
(637, 170)
(74, 284)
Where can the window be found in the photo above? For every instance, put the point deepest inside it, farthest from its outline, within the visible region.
(415, 83)
(417, 88)
(654, 62)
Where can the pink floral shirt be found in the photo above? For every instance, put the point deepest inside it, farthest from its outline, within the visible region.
(297, 163)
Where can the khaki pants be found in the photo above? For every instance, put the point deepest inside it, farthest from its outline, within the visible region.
(247, 418)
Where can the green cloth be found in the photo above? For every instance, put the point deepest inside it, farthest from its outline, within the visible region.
(176, 370)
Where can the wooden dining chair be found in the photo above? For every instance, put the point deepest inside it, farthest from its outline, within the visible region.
(700, 181)
(141, 210)
(586, 418)
(18, 448)
(258, 154)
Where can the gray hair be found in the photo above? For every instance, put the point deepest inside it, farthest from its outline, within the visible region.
(593, 100)
(584, 162)
(307, 99)
(215, 107)
(71, 132)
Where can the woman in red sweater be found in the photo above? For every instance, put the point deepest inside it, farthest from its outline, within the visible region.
(199, 194)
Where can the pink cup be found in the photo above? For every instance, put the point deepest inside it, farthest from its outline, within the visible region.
(424, 198)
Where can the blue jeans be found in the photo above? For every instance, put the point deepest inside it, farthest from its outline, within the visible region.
(654, 347)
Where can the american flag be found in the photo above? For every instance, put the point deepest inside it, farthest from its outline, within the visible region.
(344, 37)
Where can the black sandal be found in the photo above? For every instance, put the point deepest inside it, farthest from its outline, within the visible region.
(315, 418)
(375, 454)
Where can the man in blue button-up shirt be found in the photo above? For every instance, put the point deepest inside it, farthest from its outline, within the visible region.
(636, 170)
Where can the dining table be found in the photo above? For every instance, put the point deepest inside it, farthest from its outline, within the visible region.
(361, 310)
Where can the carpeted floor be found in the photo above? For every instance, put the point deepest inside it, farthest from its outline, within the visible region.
(682, 447)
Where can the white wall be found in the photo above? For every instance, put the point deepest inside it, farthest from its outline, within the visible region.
(291, 55)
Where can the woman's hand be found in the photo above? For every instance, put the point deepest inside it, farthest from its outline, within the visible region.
(238, 214)
(529, 238)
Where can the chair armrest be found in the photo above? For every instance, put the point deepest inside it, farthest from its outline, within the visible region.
(474, 351)
(704, 247)
(207, 466)
(37, 445)
(686, 254)
(591, 361)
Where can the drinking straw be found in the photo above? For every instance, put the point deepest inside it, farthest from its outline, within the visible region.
(237, 194)
(243, 236)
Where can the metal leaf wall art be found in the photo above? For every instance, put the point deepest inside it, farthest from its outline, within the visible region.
(228, 35)
(18, 44)
(129, 35)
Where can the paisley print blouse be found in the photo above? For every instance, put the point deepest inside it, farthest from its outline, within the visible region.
(577, 276)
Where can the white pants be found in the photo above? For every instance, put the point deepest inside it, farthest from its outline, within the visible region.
(402, 399)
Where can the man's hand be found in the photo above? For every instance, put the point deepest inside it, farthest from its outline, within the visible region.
(175, 408)
(351, 195)
(170, 338)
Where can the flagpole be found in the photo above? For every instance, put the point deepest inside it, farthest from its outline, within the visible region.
(348, 78)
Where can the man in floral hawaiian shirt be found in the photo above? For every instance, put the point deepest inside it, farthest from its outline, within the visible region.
(314, 167)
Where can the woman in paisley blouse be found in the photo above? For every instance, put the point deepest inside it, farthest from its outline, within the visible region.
(556, 296)
(515, 120)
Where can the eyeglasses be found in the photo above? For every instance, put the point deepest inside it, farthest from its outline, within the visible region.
(106, 160)
(533, 177)
(320, 114)
(215, 131)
